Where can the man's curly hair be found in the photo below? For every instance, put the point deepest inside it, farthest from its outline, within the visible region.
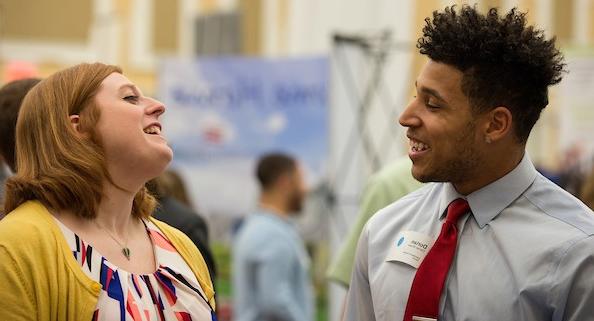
(504, 62)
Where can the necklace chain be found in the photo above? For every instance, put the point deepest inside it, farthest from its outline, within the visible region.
(125, 249)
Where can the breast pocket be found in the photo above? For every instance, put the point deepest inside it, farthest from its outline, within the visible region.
(390, 286)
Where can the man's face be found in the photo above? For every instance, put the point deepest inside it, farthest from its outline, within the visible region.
(442, 131)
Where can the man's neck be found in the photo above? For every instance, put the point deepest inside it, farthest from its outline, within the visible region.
(274, 204)
(491, 171)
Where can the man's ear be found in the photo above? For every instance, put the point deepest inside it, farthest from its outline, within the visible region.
(498, 125)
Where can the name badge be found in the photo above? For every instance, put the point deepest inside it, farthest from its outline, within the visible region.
(410, 247)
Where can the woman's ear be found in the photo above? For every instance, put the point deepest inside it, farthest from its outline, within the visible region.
(75, 123)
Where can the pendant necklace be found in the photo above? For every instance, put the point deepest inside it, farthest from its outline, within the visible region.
(125, 249)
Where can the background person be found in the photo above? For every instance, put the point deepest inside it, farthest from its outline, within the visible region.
(383, 188)
(167, 188)
(270, 262)
(11, 97)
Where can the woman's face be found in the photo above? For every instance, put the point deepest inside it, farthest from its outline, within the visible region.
(130, 131)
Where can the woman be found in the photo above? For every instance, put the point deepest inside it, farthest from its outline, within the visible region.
(77, 242)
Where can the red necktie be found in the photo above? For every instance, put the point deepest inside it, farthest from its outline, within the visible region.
(423, 300)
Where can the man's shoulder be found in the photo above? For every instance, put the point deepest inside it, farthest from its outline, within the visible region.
(254, 222)
(262, 230)
(561, 205)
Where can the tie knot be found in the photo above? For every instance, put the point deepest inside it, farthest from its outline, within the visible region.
(456, 209)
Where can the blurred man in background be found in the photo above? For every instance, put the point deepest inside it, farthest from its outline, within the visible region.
(270, 262)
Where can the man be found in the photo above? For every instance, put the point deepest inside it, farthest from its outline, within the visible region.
(492, 239)
(384, 187)
(11, 97)
(270, 263)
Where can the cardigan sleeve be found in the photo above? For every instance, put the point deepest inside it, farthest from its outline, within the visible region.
(17, 302)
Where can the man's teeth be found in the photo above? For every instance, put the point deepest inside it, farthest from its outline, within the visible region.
(418, 146)
(153, 130)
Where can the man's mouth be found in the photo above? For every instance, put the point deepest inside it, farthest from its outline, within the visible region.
(418, 146)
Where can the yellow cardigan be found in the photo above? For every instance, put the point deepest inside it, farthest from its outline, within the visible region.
(41, 280)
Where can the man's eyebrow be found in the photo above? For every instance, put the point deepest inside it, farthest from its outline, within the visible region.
(430, 91)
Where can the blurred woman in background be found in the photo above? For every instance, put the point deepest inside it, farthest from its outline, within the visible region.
(78, 242)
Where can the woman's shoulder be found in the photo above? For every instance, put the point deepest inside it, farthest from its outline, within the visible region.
(25, 224)
(27, 236)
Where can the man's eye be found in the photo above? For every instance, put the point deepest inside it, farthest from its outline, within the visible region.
(131, 99)
(429, 103)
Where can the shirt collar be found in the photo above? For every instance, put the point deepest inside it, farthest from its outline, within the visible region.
(487, 202)
(263, 211)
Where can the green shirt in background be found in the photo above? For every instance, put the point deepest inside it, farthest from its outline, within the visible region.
(383, 188)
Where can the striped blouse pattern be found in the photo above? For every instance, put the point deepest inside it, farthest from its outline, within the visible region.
(171, 293)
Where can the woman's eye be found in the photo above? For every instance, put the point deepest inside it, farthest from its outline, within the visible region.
(131, 99)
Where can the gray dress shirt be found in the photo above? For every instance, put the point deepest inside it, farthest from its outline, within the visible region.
(271, 271)
(526, 252)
